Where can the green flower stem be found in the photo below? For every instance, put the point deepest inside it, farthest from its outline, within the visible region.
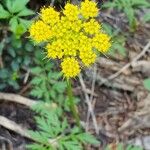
(72, 103)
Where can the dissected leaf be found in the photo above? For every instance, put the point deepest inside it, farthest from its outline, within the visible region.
(72, 145)
(37, 92)
(129, 11)
(88, 138)
(120, 48)
(108, 29)
(36, 80)
(60, 86)
(109, 5)
(140, 3)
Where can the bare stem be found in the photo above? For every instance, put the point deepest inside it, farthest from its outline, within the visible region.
(72, 103)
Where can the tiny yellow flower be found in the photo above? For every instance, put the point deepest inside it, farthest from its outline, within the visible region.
(70, 67)
(49, 15)
(85, 43)
(92, 27)
(102, 42)
(89, 9)
(54, 50)
(88, 57)
(40, 31)
(76, 25)
(71, 11)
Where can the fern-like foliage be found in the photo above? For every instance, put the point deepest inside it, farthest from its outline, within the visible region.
(55, 133)
(129, 8)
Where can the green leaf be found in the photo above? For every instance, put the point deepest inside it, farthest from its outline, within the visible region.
(75, 130)
(14, 84)
(146, 17)
(15, 65)
(88, 138)
(109, 5)
(25, 12)
(60, 87)
(132, 147)
(140, 3)
(16, 43)
(36, 81)
(27, 60)
(36, 70)
(20, 29)
(38, 136)
(107, 28)
(120, 48)
(129, 11)
(29, 47)
(146, 83)
(4, 73)
(13, 24)
(52, 94)
(25, 23)
(37, 92)
(3, 13)
(18, 5)
(9, 4)
(44, 126)
(54, 75)
(72, 145)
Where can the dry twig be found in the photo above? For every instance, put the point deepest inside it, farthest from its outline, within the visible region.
(145, 49)
(89, 105)
(11, 125)
(17, 98)
(91, 97)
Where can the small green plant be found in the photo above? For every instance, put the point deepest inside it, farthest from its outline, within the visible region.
(17, 55)
(15, 12)
(146, 83)
(120, 146)
(55, 133)
(128, 7)
(74, 37)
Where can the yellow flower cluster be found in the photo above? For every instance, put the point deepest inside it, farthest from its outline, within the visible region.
(73, 35)
(89, 9)
(40, 31)
(70, 67)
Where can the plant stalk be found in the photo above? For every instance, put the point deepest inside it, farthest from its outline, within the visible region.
(72, 103)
